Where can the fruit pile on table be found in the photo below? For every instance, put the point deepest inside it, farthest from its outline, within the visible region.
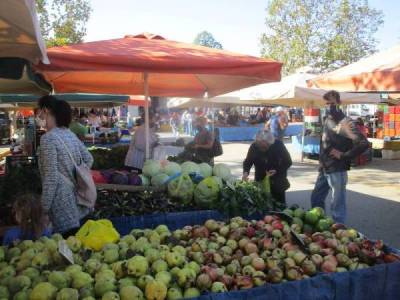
(163, 264)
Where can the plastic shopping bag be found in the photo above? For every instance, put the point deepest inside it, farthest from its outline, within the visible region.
(266, 185)
(95, 234)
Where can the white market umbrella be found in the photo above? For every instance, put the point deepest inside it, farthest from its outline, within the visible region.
(209, 102)
(293, 91)
(20, 31)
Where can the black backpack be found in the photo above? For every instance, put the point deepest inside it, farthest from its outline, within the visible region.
(217, 147)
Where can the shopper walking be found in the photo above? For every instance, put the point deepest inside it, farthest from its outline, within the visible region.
(341, 142)
(58, 148)
(278, 123)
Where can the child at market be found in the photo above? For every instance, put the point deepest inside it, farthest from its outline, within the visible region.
(30, 218)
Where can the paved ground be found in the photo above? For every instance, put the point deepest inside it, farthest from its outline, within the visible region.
(373, 191)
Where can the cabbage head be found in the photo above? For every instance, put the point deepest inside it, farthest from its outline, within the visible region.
(218, 181)
(206, 193)
(189, 167)
(151, 168)
(145, 180)
(159, 179)
(205, 170)
(222, 171)
(181, 189)
(171, 168)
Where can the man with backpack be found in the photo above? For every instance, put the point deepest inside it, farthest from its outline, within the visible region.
(341, 142)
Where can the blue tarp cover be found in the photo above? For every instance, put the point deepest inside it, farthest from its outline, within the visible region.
(311, 144)
(247, 133)
(380, 282)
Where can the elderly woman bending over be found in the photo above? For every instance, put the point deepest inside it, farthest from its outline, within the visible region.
(269, 157)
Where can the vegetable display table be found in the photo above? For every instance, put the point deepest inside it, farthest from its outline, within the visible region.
(376, 282)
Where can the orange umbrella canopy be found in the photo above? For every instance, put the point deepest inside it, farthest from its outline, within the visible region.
(377, 73)
(173, 68)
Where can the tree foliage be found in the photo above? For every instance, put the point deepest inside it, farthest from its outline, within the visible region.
(205, 38)
(63, 21)
(323, 34)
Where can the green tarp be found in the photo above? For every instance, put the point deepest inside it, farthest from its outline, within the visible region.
(75, 100)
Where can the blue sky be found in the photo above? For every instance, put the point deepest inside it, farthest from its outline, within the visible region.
(236, 24)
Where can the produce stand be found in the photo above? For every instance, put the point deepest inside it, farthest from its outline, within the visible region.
(376, 282)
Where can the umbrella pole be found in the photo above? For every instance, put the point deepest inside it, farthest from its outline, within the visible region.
(303, 135)
(146, 114)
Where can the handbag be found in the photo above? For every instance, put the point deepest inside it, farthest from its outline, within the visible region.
(85, 187)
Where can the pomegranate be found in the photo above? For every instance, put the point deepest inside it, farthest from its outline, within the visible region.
(227, 280)
(342, 249)
(211, 225)
(253, 255)
(268, 219)
(308, 267)
(299, 257)
(217, 258)
(327, 251)
(314, 248)
(248, 270)
(211, 271)
(289, 263)
(243, 242)
(275, 275)
(203, 282)
(232, 244)
(259, 278)
(277, 233)
(343, 260)
(289, 246)
(246, 260)
(258, 264)
(250, 232)
(260, 224)
(251, 248)
(235, 235)
(277, 225)
(269, 228)
(317, 237)
(272, 263)
(328, 266)
(279, 253)
(337, 226)
(243, 282)
(224, 231)
(268, 244)
(317, 259)
(353, 249)
(294, 274)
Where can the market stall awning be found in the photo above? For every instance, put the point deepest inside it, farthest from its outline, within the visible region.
(219, 101)
(20, 31)
(293, 91)
(75, 100)
(377, 73)
(17, 76)
(174, 69)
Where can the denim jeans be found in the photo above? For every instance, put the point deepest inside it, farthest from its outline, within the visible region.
(337, 183)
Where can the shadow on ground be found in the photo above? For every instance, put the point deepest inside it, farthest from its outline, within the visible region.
(378, 218)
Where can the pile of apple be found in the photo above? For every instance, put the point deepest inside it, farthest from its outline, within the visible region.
(163, 264)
